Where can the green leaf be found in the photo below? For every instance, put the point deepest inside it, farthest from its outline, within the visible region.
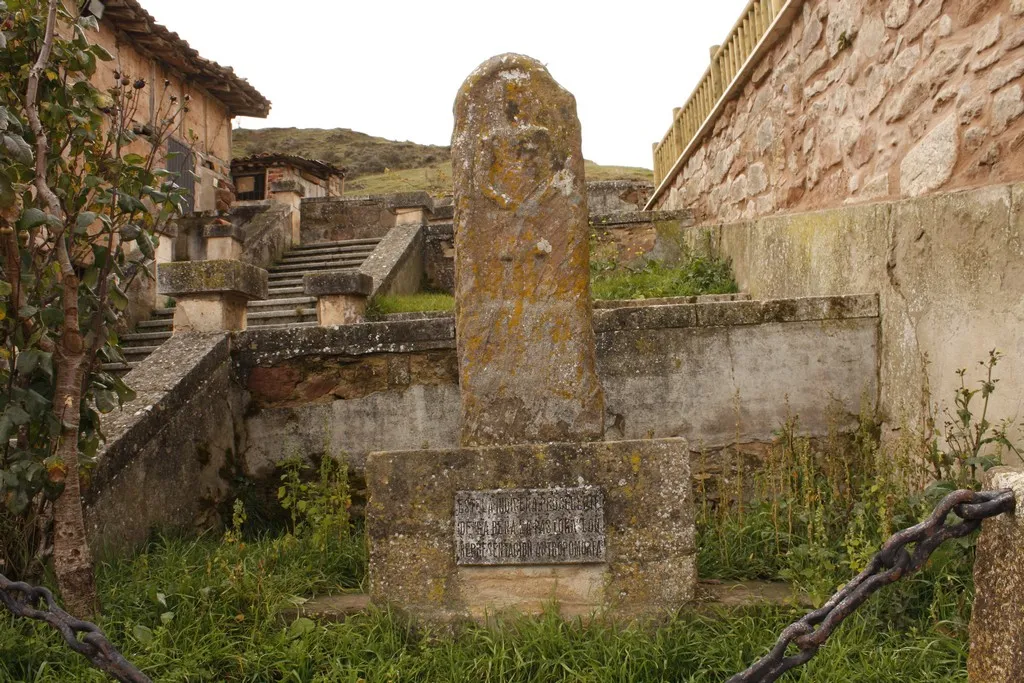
(143, 634)
(131, 231)
(118, 298)
(101, 53)
(166, 618)
(16, 148)
(31, 218)
(145, 245)
(84, 220)
(7, 194)
(301, 627)
(5, 288)
(134, 159)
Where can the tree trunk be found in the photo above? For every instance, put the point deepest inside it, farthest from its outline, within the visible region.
(72, 558)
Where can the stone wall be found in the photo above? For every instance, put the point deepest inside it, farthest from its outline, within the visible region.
(613, 196)
(863, 100)
(342, 218)
(171, 451)
(949, 271)
(714, 373)
(627, 238)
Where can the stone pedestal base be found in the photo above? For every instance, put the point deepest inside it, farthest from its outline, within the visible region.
(649, 566)
(223, 249)
(340, 296)
(211, 296)
(340, 309)
(209, 313)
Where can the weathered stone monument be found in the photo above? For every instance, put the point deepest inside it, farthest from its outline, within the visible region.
(522, 278)
(533, 508)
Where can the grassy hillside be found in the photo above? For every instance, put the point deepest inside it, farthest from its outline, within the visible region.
(379, 166)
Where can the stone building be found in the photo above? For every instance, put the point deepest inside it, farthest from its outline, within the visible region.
(255, 177)
(145, 49)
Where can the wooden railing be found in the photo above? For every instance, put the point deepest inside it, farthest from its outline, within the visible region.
(727, 61)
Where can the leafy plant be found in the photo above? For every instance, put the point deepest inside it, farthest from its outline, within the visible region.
(81, 195)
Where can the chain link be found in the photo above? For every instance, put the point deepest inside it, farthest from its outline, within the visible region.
(84, 638)
(891, 563)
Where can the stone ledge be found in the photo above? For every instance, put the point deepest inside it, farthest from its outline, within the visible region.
(408, 200)
(337, 282)
(212, 277)
(288, 185)
(225, 229)
(163, 383)
(630, 217)
(436, 329)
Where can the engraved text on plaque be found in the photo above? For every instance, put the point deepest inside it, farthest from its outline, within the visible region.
(530, 526)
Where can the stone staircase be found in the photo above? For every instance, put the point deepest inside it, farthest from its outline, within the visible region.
(286, 304)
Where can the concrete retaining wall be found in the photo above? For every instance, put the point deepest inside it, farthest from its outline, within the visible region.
(948, 269)
(714, 373)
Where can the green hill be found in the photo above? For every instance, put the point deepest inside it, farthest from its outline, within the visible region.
(376, 165)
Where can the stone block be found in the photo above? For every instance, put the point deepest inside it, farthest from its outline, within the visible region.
(351, 282)
(649, 566)
(185, 278)
(211, 296)
(340, 309)
(287, 185)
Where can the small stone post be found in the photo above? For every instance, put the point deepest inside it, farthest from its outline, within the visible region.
(211, 296)
(997, 620)
(410, 208)
(527, 364)
(224, 241)
(341, 296)
(289, 192)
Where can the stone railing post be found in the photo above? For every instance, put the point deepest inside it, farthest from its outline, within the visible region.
(224, 241)
(341, 296)
(291, 193)
(211, 296)
(997, 620)
(410, 207)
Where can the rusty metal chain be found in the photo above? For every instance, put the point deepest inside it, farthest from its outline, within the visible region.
(891, 563)
(84, 638)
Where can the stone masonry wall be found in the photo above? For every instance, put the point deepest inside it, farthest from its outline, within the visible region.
(714, 373)
(865, 100)
(948, 269)
(330, 219)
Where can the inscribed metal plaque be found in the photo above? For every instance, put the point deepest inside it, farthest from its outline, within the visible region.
(530, 526)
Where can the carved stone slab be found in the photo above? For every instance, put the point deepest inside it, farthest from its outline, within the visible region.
(530, 526)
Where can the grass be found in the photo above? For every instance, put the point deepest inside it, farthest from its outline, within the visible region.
(694, 277)
(205, 610)
(410, 303)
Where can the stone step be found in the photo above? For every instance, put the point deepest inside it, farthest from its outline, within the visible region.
(318, 265)
(118, 368)
(163, 312)
(283, 301)
(313, 253)
(368, 241)
(280, 315)
(355, 258)
(286, 291)
(144, 338)
(286, 325)
(136, 351)
(294, 278)
(328, 608)
(155, 324)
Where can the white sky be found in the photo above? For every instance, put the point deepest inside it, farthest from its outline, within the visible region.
(392, 68)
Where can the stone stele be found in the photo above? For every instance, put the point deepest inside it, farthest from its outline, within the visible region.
(522, 279)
